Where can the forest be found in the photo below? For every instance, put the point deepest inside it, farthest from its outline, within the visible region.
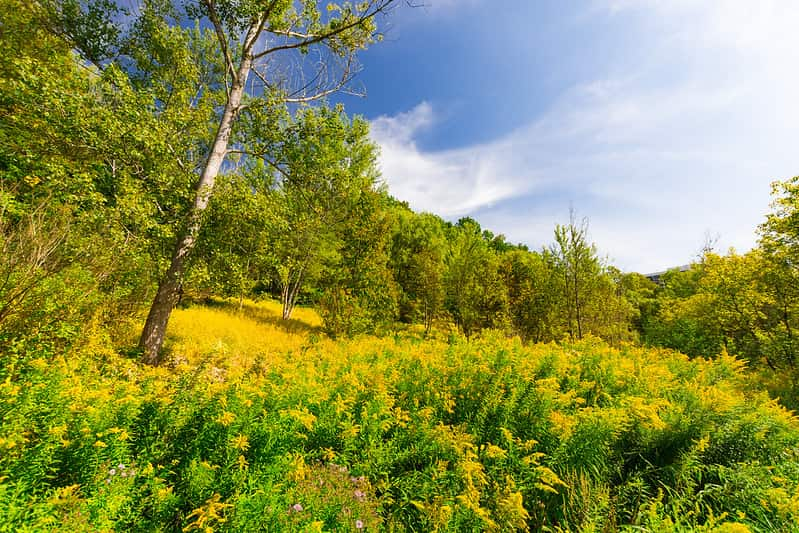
(215, 317)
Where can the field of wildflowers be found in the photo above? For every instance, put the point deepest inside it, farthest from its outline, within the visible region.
(258, 424)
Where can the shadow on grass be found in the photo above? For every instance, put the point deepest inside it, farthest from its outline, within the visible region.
(263, 316)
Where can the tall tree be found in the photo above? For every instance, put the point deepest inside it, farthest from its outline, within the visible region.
(282, 223)
(269, 29)
(324, 163)
(359, 293)
(272, 52)
(476, 295)
(533, 293)
(579, 268)
(417, 259)
(83, 160)
(780, 232)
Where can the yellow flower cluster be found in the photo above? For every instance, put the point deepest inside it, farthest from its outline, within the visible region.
(494, 435)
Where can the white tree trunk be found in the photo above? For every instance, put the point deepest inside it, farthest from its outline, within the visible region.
(152, 337)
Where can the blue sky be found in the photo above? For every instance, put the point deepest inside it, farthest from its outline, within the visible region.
(662, 121)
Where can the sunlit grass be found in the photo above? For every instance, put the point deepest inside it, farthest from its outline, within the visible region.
(237, 336)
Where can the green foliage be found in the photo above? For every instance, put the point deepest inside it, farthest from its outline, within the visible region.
(476, 295)
(743, 304)
(780, 231)
(677, 317)
(417, 262)
(581, 295)
(359, 293)
(533, 295)
(89, 189)
(102, 160)
(577, 268)
(235, 254)
(327, 166)
(747, 305)
(106, 122)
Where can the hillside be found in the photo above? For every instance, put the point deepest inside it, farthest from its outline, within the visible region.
(261, 424)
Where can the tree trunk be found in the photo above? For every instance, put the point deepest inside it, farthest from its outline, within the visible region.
(577, 310)
(290, 292)
(284, 298)
(152, 337)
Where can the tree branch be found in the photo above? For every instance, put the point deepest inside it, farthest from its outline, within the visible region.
(381, 6)
(292, 98)
(294, 34)
(220, 35)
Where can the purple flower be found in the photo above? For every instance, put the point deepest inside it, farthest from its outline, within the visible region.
(359, 524)
(297, 507)
(359, 494)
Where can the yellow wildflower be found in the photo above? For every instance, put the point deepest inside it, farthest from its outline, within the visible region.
(226, 418)
(240, 442)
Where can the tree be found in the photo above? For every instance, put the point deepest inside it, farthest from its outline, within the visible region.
(779, 240)
(533, 293)
(609, 312)
(417, 258)
(271, 52)
(639, 292)
(746, 304)
(358, 292)
(779, 235)
(282, 224)
(476, 296)
(235, 252)
(324, 164)
(578, 267)
(85, 173)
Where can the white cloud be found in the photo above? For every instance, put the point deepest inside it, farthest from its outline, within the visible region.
(402, 128)
(681, 137)
(450, 183)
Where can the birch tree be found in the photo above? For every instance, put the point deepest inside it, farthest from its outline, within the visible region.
(271, 53)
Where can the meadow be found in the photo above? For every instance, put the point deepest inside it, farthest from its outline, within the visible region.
(448, 380)
(260, 424)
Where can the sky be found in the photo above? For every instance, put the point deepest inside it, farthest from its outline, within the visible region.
(661, 121)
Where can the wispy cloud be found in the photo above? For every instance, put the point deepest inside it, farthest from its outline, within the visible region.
(450, 183)
(682, 136)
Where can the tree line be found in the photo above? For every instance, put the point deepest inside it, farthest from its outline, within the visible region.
(370, 263)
